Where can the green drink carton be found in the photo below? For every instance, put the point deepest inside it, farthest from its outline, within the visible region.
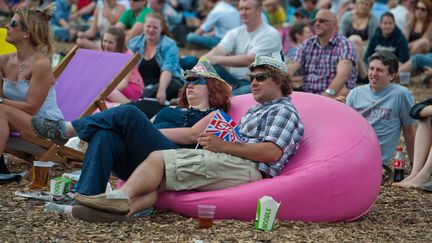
(266, 213)
(59, 185)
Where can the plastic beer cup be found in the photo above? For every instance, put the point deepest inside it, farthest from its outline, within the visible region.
(205, 216)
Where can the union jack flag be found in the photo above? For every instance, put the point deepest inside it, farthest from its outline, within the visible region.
(224, 127)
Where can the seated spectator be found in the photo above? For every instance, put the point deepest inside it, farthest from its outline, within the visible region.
(399, 11)
(131, 21)
(132, 86)
(385, 105)
(238, 48)
(120, 138)
(358, 26)
(172, 17)
(388, 37)
(61, 27)
(422, 163)
(27, 83)
(328, 59)
(298, 34)
(272, 130)
(311, 8)
(106, 14)
(84, 10)
(222, 18)
(275, 13)
(301, 16)
(418, 28)
(159, 66)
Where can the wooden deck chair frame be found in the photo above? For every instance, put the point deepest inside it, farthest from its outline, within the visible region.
(40, 149)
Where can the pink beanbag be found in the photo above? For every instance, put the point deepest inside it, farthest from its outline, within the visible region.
(334, 176)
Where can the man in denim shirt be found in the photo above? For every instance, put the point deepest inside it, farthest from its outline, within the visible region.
(272, 132)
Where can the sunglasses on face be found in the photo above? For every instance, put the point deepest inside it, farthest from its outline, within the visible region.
(421, 9)
(13, 23)
(260, 77)
(196, 81)
(321, 21)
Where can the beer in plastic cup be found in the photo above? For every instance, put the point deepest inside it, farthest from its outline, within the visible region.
(266, 214)
(41, 174)
(205, 216)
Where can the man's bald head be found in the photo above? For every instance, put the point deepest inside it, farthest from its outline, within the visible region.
(326, 14)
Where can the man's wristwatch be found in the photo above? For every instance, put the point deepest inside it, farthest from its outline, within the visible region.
(330, 92)
(1, 100)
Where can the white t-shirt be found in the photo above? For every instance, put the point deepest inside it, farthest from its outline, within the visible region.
(223, 17)
(400, 13)
(263, 41)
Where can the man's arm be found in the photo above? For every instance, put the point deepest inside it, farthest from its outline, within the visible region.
(409, 135)
(218, 55)
(293, 66)
(266, 152)
(343, 71)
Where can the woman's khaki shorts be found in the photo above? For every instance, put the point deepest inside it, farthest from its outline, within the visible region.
(202, 170)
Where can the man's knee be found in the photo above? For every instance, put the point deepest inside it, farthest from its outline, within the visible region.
(156, 159)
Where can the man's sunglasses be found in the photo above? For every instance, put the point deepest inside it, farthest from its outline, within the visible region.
(260, 77)
(196, 80)
(321, 21)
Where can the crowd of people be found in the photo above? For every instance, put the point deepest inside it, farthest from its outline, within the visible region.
(261, 47)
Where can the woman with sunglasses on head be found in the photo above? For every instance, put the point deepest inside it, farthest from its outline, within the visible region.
(159, 66)
(120, 138)
(26, 78)
(418, 28)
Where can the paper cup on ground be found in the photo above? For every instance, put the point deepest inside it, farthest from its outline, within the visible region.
(41, 172)
(404, 78)
(266, 213)
(59, 185)
(205, 216)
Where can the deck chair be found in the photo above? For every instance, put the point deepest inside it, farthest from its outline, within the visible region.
(84, 79)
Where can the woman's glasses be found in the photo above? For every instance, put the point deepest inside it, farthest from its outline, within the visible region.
(260, 77)
(196, 80)
(421, 9)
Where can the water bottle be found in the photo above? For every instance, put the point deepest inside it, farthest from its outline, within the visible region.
(399, 165)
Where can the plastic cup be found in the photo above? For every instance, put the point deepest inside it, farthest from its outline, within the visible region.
(404, 78)
(41, 171)
(205, 216)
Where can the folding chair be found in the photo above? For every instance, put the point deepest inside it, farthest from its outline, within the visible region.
(84, 79)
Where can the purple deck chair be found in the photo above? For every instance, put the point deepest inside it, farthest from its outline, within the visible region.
(84, 79)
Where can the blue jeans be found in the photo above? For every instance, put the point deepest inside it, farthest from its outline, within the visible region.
(207, 42)
(119, 139)
(421, 61)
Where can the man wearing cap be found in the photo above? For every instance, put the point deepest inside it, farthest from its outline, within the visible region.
(239, 46)
(272, 131)
(327, 58)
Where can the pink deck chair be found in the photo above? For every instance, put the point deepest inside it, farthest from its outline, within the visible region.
(84, 79)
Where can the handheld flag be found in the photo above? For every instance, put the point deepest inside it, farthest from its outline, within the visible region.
(224, 127)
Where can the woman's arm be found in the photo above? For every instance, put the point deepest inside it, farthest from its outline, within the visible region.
(41, 79)
(187, 135)
(164, 81)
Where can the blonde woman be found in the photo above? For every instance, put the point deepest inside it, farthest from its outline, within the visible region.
(26, 79)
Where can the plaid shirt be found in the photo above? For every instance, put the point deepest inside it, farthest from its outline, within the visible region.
(320, 62)
(275, 121)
